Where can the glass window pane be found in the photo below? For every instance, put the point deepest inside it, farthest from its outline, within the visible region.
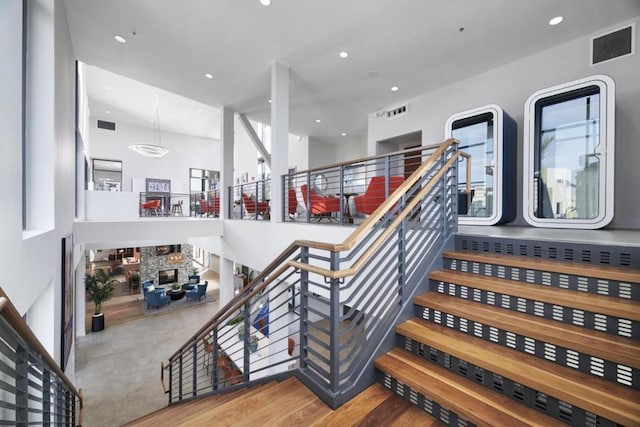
(568, 166)
(476, 139)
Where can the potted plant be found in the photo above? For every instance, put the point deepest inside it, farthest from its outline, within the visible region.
(99, 289)
(175, 286)
(253, 344)
(241, 331)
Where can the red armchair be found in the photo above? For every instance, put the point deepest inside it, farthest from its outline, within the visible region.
(255, 208)
(375, 194)
(292, 202)
(150, 206)
(320, 207)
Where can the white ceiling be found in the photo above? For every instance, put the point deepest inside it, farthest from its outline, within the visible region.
(416, 45)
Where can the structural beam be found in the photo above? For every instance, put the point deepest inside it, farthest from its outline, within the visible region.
(255, 139)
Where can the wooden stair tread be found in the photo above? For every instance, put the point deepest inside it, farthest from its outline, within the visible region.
(478, 404)
(600, 344)
(377, 406)
(255, 408)
(622, 274)
(611, 306)
(174, 414)
(617, 403)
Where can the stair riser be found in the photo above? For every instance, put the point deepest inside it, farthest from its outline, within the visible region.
(612, 288)
(548, 405)
(594, 321)
(432, 407)
(616, 256)
(598, 367)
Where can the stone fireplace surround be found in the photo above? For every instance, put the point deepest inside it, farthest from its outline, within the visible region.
(151, 264)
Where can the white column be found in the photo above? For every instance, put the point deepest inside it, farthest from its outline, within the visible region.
(279, 135)
(226, 281)
(226, 155)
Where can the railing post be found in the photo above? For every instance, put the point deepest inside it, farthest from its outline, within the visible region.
(214, 360)
(46, 394)
(22, 385)
(401, 233)
(334, 338)
(304, 304)
(245, 340)
(341, 195)
(307, 197)
(195, 370)
(180, 368)
(170, 381)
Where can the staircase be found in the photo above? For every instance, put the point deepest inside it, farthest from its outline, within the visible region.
(515, 340)
(289, 403)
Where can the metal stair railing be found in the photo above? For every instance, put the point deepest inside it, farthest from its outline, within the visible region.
(34, 388)
(350, 294)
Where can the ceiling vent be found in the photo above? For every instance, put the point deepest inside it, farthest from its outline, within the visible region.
(394, 112)
(612, 45)
(102, 124)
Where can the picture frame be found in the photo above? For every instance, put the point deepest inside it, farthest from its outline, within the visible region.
(67, 287)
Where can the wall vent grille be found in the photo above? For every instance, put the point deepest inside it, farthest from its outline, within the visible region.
(614, 44)
(103, 124)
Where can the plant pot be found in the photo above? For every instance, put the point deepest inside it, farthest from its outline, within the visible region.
(97, 322)
(253, 347)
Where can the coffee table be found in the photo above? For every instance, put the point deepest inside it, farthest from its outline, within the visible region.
(175, 295)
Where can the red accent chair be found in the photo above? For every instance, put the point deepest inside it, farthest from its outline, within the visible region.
(292, 202)
(150, 206)
(321, 207)
(253, 207)
(375, 194)
(207, 208)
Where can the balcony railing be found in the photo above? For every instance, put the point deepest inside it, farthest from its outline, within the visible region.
(323, 311)
(251, 200)
(35, 391)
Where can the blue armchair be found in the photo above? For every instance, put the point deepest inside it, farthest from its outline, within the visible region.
(199, 292)
(157, 298)
(148, 285)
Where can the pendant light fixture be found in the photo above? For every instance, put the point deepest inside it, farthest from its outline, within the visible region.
(156, 149)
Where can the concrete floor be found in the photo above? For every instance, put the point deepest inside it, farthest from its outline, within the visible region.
(118, 368)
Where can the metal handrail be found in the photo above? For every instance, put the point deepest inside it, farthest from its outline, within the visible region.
(13, 318)
(296, 255)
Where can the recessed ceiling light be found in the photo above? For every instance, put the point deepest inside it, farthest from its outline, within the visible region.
(269, 101)
(394, 88)
(318, 121)
(343, 134)
(556, 20)
(343, 54)
(108, 112)
(120, 39)
(108, 88)
(199, 110)
(265, 2)
(209, 75)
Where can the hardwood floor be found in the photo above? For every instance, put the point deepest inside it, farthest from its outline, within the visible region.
(289, 403)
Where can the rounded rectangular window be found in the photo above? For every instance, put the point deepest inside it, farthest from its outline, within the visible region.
(568, 167)
(489, 136)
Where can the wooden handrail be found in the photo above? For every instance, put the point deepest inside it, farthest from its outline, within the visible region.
(268, 276)
(11, 314)
(164, 385)
(368, 253)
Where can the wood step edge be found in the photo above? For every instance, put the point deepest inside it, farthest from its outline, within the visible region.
(471, 401)
(610, 347)
(360, 405)
(601, 304)
(621, 274)
(612, 401)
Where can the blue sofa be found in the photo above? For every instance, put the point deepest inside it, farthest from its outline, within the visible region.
(157, 298)
(198, 292)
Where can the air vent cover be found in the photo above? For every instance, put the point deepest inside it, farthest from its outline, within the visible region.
(612, 45)
(102, 124)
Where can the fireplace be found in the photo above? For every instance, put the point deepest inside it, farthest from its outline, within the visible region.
(167, 276)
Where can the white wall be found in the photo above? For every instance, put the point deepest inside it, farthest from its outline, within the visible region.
(185, 152)
(321, 153)
(509, 86)
(33, 279)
